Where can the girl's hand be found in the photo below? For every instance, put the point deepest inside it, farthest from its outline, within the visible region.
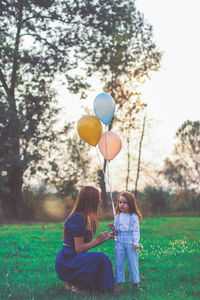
(137, 247)
(111, 227)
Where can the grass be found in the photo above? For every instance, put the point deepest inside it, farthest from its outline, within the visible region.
(169, 262)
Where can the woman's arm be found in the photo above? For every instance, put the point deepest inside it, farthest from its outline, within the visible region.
(80, 246)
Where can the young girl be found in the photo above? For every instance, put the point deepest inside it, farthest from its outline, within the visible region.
(74, 265)
(127, 231)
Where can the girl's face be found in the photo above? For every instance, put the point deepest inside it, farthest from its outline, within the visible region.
(123, 205)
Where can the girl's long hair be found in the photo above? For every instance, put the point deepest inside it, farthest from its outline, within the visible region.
(132, 203)
(87, 203)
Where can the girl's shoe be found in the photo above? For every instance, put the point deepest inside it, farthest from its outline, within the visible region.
(136, 285)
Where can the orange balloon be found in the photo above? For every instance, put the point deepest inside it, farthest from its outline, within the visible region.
(109, 145)
(89, 129)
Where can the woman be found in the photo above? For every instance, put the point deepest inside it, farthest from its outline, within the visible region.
(74, 265)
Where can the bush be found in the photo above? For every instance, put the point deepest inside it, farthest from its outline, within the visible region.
(47, 207)
(155, 200)
(187, 201)
(106, 215)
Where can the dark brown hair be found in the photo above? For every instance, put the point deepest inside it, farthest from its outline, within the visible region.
(132, 203)
(87, 203)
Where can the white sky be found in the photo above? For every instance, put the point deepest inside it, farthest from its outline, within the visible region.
(172, 94)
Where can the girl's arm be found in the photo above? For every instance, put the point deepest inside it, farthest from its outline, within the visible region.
(111, 227)
(80, 246)
(136, 232)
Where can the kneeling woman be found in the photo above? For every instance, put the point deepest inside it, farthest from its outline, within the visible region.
(74, 265)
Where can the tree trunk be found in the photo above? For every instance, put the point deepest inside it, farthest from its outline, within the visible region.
(102, 184)
(128, 158)
(11, 197)
(12, 202)
(139, 155)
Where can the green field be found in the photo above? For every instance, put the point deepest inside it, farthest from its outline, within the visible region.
(169, 262)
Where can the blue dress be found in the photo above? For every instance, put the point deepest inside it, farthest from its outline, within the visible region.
(87, 270)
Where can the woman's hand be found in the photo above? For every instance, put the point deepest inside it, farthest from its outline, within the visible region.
(111, 227)
(104, 236)
(80, 246)
(112, 235)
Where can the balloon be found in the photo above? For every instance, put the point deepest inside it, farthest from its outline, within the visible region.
(109, 145)
(89, 129)
(104, 107)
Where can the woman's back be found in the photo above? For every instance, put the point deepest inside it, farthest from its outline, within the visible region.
(75, 226)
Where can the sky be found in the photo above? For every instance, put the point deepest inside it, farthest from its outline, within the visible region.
(172, 94)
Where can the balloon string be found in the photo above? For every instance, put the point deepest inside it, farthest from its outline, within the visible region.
(110, 188)
(108, 171)
(110, 177)
(108, 164)
(106, 143)
(108, 181)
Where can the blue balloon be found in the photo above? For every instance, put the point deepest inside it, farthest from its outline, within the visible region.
(104, 107)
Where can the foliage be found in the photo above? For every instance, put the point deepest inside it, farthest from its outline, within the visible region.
(168, 262)
(44, 206)
(183, 170)
(70, 164)
(52, 208)
(38, 42)
(155, 200)
(127, 54)
(185, 200)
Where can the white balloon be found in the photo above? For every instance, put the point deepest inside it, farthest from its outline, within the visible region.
(104, 107)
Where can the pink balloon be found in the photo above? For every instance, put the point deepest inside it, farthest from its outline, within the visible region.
(109, 145)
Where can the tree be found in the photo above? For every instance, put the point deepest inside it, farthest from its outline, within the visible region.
(28, 104)
(40, 39)
(122, 62)
(183, 170)
(139, 154)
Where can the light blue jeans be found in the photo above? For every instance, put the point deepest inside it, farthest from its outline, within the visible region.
(125, 251)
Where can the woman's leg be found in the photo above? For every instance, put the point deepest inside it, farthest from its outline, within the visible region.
(87, 270)
(104, 279)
